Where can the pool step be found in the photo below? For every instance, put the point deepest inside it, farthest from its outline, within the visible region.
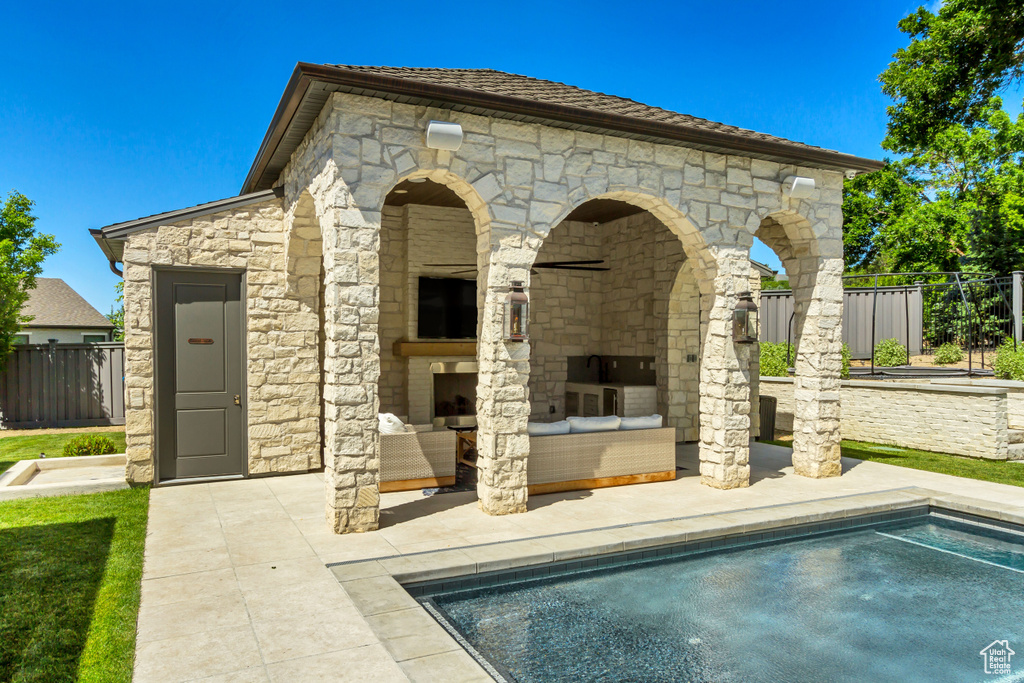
(1015, 451)
(1016, 435)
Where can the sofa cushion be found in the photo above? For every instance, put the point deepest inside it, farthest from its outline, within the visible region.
(547, 428)
(645, 422)
(390, 424)
(580, 425)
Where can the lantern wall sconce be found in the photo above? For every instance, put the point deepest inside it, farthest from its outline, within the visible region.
(517, 313)
(744, 320)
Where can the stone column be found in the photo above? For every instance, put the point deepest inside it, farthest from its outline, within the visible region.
(725, 381)
(351, 366)
(818, 364)
(502, 401)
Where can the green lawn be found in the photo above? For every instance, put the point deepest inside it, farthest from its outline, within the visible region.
(29, 446)
(70, 570)
(998, 471)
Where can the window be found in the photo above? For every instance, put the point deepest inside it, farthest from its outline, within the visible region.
(93, 338)
(21, 339)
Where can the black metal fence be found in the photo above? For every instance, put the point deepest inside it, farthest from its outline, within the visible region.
(63, 385)
(975, 312)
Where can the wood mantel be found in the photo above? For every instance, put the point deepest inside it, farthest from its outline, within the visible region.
(434, 348)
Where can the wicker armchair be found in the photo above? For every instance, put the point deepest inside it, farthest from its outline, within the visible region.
(416, 460)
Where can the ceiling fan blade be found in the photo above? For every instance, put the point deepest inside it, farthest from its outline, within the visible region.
(460, 272)
(449, 265)
(569, 263)
(571, 268)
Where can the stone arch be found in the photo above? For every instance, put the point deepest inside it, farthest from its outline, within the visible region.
(812, 258)
(302, 312)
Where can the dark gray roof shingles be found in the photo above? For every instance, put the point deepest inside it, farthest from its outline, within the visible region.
(54, 304)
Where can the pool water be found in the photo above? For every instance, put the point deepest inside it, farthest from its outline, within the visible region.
(909, 601)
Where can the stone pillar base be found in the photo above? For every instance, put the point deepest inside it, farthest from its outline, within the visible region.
(720, 477)
(817, 462)
(364, 515)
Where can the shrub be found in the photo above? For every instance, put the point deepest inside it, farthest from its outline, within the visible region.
(890, 353)
(844, 373)
(1009, 363)
(948, 353)
(773, 359)
(89, 444)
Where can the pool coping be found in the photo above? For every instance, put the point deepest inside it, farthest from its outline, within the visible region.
(379, 586)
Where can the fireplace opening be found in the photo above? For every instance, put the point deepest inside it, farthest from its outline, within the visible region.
(454, 388)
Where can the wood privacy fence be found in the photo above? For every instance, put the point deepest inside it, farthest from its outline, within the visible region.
(897, 312)
(63, 385)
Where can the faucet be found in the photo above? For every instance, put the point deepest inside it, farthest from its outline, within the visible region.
(602, 369)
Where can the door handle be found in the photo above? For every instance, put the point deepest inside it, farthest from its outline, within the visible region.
(238, 399)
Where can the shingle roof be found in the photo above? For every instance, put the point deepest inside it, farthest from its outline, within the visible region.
(54, 304)
(498, 94)
(553, 92)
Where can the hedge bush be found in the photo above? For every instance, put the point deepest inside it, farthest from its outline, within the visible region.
(1009, 363)
(948, 353)
(890, 353)
(773, 359)
(89, 444)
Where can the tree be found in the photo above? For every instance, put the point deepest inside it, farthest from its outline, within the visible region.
(22, 252)
(956, 62)
(116, 315)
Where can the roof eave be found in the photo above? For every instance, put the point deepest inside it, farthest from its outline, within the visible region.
(305, 73)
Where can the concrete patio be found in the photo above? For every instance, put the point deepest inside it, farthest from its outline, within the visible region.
(236, 585)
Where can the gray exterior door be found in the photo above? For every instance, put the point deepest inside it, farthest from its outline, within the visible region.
(198, 354)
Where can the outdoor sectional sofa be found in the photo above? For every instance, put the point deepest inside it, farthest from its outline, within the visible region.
(595, 459)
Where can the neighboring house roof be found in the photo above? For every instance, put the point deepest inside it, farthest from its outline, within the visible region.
(54, 304)
(503, 95)
(763, 268)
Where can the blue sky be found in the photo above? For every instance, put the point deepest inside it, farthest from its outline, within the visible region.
(112, 111)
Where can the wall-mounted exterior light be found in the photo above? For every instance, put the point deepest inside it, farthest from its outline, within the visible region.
(744, 320)
(796, 187)
(517, 313)
(444, 135)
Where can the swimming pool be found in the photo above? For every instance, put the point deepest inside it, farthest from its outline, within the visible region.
(915, 596)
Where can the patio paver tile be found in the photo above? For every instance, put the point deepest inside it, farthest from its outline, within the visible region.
(195, 586)
(281, 639)
(378, 594)
(411, 633)
(193, 656)
(177, 619)
(361, 664)
(450, 667)
(158, 564)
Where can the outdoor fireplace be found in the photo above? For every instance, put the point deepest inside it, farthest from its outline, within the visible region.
(453, 393)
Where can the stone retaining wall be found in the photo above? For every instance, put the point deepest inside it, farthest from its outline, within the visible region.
(964, 420)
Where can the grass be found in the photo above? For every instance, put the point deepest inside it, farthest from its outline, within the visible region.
(70, 572)
(29, 446)
(998, 471)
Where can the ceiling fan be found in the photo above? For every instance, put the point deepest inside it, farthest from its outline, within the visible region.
(549, 265)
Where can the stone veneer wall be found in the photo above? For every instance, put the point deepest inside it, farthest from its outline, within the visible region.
(282, 373)
(964, 420)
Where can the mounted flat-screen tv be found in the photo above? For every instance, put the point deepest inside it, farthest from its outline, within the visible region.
(447, 308)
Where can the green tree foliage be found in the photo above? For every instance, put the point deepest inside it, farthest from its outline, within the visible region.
(956, 61)
(954, 199)
(116, 315)
(22, 251)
